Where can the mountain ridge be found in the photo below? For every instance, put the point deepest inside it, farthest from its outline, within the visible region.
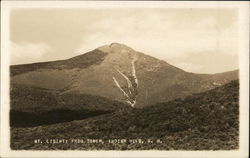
(118, 72)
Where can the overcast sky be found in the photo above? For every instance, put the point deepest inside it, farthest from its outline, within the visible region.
(196, 40)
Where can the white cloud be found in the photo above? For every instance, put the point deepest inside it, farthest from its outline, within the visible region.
(163, 36)
(182, 35)
(22, 53)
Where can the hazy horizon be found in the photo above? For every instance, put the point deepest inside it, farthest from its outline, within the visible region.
(195, 40)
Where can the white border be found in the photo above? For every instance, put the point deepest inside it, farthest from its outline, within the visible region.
(244, 76)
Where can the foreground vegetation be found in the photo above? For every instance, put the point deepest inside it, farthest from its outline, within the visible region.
(204, 121)
(35, 106)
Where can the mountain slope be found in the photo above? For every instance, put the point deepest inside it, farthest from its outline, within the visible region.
(218, 79)
(204, 121)
(81, 61)
(31, 106)
(116, 72)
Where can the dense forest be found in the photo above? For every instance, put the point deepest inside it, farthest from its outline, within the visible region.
(203, 121)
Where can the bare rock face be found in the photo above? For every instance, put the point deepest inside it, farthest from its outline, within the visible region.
(130, 90)
(117, 72)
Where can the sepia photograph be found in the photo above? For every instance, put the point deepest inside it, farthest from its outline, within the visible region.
(124, 77)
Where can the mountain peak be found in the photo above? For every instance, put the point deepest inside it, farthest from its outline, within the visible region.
(115, 44)
(115, 48)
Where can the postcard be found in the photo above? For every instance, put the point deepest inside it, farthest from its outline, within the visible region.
(124, 79)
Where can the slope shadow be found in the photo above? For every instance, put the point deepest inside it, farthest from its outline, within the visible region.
(30, 119)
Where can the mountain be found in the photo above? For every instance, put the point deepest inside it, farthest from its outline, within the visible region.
(117, 72)
(203, 121)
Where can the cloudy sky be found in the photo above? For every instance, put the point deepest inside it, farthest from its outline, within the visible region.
(196, 40)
